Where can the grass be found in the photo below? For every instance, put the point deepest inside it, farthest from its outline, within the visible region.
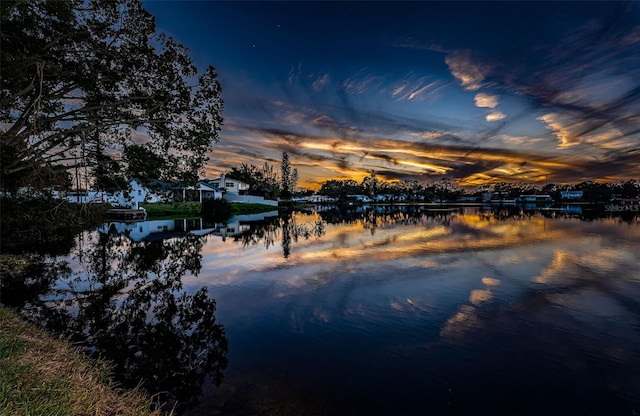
(240, 209)
(178, 209)
(42, 375)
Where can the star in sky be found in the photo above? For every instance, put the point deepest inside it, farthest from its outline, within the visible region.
(477, 92)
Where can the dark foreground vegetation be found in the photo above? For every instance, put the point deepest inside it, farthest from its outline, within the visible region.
(48, 224)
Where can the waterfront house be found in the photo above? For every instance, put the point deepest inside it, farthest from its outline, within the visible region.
(138, 192)
(202, 191)
(234, 190)
(230, 186)
(161, 191)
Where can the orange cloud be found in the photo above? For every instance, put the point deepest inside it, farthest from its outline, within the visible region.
(495, 116)
(486, 100)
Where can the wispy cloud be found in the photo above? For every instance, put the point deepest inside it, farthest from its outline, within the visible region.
(467, 69)
(587, 84)
(415, 44)
(294, 74)
(320, 82)
(412, 88)
(362, 82)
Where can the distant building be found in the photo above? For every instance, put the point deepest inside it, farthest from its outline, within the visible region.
(535, 198)
(385, 198)
(317, 198)
(468, 198)
(359, 198)
(571, 194)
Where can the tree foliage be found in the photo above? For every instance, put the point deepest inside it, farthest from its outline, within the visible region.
(84, 78)
(288, 176)
(259, 178)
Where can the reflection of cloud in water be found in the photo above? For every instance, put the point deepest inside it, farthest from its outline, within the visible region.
(458, 325)
(350, 247)
(559, 286)
(490, 281)
(562, 268)
(466, 318)
(595, 262)
(409, 305)
(479, 296)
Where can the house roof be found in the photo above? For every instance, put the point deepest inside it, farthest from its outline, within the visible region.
(157, 184)
(205, 186)
(174, 185)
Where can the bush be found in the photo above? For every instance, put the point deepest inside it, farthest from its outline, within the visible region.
(216, 210)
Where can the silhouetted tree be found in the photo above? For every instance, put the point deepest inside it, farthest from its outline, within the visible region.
(81, 77)
(288, 177)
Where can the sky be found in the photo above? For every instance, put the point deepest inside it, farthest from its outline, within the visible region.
(475, 92)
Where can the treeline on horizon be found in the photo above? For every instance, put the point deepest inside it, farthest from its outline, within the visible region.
(266, 177)
(445, 189)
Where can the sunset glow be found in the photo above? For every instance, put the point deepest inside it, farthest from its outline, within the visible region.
(476, 92)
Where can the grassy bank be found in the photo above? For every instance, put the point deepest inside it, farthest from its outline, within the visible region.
(178, 210)
(241, 209)
(42, 375)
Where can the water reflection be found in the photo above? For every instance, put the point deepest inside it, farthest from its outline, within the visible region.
(120, 296)
(385, 310)
(414, 311)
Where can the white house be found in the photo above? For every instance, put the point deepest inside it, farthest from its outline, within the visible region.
(235, 190)
(164, 192)
(208, 191)
(204, 191)
(138, 193)
(230, 186)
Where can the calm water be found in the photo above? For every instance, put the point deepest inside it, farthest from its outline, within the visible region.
(392, 311)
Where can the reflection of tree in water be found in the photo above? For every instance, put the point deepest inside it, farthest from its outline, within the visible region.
(379, 216)
(24, 279)
(265, 231)
(292, 232)
(268, 231)
(286, 228)
(128, 308)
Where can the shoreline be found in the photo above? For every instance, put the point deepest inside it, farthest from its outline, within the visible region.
(42, 374)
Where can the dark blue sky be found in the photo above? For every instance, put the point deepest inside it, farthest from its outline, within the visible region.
(477, 92)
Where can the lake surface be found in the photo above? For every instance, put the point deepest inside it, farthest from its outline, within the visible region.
(385, 310)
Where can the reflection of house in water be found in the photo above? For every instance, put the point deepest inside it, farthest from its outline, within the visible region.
(157, 230)
(571, 209)
(534, 206)
(240, 224)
